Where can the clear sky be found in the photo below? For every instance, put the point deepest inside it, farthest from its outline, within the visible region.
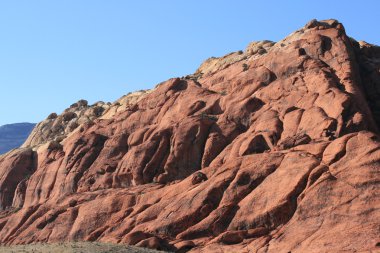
(53, 53)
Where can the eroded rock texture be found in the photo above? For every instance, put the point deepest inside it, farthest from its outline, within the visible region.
(274, 149)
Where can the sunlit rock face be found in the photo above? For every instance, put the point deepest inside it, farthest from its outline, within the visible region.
(271, 149)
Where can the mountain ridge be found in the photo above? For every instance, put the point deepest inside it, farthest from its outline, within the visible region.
(13, 135)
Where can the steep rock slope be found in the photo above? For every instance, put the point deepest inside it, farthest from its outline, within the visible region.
(274, 149)
(13, 135)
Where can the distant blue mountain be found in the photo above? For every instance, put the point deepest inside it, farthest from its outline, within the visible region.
(14, 135)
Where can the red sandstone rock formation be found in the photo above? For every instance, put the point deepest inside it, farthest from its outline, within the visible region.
(275, 149)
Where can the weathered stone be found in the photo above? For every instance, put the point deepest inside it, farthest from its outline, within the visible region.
(280, 156)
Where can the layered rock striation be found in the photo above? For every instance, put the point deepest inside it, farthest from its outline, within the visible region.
(274, 149)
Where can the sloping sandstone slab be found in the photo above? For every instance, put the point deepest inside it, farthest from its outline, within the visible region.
(274, 149)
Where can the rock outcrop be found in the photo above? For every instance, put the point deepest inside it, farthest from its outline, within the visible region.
(275, 149)
(57, 127)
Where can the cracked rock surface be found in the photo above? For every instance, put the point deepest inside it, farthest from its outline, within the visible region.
(274, 149)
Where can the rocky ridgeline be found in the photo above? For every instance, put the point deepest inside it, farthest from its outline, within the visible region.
(275, 149)
(57, 127)
(255, 49)
(13, 135)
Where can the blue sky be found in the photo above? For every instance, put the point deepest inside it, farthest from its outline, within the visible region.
(53, 53)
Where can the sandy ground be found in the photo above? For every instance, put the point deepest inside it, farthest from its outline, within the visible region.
(78, 247)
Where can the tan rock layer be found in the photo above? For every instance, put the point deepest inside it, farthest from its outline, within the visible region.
(274, 152)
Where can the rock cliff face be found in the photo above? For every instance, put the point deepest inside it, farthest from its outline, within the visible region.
(13, 135)
(275, 149)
